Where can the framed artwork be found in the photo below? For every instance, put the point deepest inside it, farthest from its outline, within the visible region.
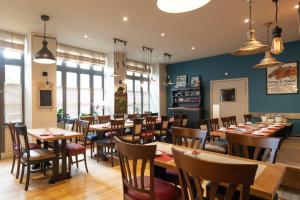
(181, 81)
(195, 81)
(45, 95)
(283, 79)
(228, 95)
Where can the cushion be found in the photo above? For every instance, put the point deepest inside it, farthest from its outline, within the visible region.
(162, 190)
(39, 154)
(161, 133)
(147, 134)
(217, 148)
(92, 137)
(128, 138)
(75, 149)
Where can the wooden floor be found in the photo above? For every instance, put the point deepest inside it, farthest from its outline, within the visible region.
(103, 182)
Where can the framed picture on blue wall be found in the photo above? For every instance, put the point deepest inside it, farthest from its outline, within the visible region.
(195, 81)
(283, 79)
(181, 81)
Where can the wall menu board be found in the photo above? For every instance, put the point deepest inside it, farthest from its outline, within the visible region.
(283, 79)
(45, 96)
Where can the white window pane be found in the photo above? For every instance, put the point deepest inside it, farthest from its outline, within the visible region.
(13, 102)
(59, 62)
(145, 86)
(84, 81)
(130, 109)
(85, 101)
(129, 84)
(137, 86)
(98, 102)
(146, 101)
(85, 66)
(129, 73)
(138, 108)
(97, 67)
(71, 80)
(138, 98)
(137, 74)
(12, 54)
(72, 102)
(130, 97)
(58, 78)
(59, 98)
(72, 64)
(12, 74)
(98, 82)
(145, 75)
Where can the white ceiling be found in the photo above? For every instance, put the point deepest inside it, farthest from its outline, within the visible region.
(213, 29)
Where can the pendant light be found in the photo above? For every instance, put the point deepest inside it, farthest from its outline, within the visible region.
(168, 81)
(44, 55)
(268, 60)
(252, 46)
(147, 52)
(119, 54)
(277, 44)
(180, 6)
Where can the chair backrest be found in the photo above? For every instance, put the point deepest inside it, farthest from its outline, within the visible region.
(103, 119)
(203, 124)
(214, 124)
(184, 120)
(22, 139)
(69, 124)
(137, 126)
(82, 126)
(117, 128)
(192, 138)
(144, 115)
(150, 124)
(131, 116)
(248, 118)
(119, 116)
(154, 114)
(225, 122)
(265, 148)
(143, 154)
(164, 122)
(193, 171)
(12, 131)
(232, 120)
(91, 119)
(177, 121)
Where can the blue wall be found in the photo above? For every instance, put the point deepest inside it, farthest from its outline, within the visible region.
(214, 68)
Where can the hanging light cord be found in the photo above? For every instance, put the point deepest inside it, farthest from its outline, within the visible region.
(276, 15)
(250, 12)
(44, 30)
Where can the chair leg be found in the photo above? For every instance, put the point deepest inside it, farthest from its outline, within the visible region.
(76, 157)
(27, 177)
(98, 153)
(22, 172)
(13, 164)
(92, 148)
(69, 164)
(85, 163)
(112, 156)
(18, 167)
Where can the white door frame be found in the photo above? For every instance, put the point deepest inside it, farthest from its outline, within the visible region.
(224, 80)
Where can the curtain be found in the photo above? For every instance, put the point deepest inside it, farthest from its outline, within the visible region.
(11, 40)
(136, 66)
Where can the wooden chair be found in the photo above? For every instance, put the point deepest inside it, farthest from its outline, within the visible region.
(91, 137)
(177, 121)
(232, 120)
(248, 118)
(148, 134)
(69, 124)
(215, 146)
(154, 114)
(214, 126)
(79, 147)
(135, 136)
(225, 122)
(116, 130)
(131, 117)
(91, 119)
(137, 186)
(192, 138)
(265, 148)
(184, 120)
(104, 119)
(163, 128)
(200, 170)
(119, 117)
(203, 124)
(144, 115)
(29, 156)
(16, 148)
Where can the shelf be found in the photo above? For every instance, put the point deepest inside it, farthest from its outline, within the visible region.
(185, 108)
(187, 96)
(185, 89)
(186, 101)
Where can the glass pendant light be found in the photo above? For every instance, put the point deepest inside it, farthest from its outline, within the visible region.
(180, 6)
(252, 46)
(44, 55)
(277, 44)
(168, 81)
(268, 60)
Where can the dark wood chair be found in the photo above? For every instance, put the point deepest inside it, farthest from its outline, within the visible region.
(225, 122)
(192, 138)
(203, 124)
(119, 117)
(136, 185)
(131, 117)
(144, 115)
(154, 114)
(16, 148)
(248, 118)
(135, 135)
(219, 146)
(163, 128)
(184, 121)
(104, 119)
(217, 173)
(29, 156)
(79, 147)
(116, 130)
(177, 121)
(148, 134)
(232, 120)
(265, 148)
(214, 126)
(91, 137)
(69, 124)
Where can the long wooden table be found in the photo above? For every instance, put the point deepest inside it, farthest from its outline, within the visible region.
(268, 177)
(55, 135)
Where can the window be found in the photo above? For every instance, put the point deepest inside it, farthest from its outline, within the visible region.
(72, 95)
(98, 94)
(59, 90)
(85, 94)
(137, 92)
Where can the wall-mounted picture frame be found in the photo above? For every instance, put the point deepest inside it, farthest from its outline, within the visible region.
(195, 81)
(283, 79)
(181, 81)
(45, 95)
(228, 95)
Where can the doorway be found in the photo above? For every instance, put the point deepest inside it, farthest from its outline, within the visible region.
(229, 98)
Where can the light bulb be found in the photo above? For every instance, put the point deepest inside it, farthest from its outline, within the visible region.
(277, 45)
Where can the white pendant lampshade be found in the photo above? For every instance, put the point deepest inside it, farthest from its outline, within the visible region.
(180, 6)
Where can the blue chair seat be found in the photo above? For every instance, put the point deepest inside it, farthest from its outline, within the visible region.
(92, 137)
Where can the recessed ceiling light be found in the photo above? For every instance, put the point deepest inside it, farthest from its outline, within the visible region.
(246, 20)
(193, 48)
(85, 36)
(125, 18)
(180, 6)
(162, 34)
(296, 6)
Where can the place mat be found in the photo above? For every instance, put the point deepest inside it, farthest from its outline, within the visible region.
(164, 157)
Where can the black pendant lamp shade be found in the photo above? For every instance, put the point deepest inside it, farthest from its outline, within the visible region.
(44, 55)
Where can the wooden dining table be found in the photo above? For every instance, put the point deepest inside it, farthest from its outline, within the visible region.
(55, 135)
(267, 180)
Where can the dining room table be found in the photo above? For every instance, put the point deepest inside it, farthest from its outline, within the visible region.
(267, 179)
(59, 138)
